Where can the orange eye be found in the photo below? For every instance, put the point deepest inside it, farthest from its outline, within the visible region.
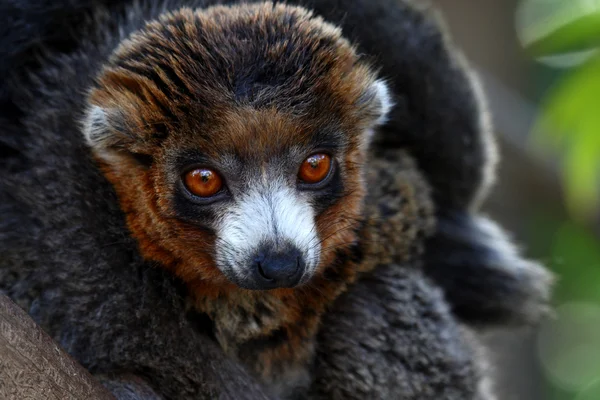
(203, 182)
(315, 168)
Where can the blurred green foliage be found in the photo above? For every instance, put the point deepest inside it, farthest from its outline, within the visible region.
(567, 32)
(566, 26)
(570, 124)
(568, 345)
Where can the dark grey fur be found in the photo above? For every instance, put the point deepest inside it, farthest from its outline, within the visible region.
(66, 258)
(392, 337)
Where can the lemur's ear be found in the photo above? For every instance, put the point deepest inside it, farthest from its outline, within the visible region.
(383, 100)
(485, 279)
(99, 132)
(105, 134)
(121, 118)
(376, 102)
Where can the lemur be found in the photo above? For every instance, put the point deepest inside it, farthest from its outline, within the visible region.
(227, 199)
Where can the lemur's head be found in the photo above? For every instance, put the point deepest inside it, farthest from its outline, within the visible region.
(235, 138)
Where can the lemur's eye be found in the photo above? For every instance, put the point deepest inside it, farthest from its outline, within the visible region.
(315, 168)
(203, 182)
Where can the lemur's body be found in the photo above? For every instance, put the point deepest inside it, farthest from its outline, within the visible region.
(251, 92)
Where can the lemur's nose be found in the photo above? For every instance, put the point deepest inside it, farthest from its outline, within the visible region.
(278, 268)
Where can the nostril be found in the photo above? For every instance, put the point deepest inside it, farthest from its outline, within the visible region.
(262, 273)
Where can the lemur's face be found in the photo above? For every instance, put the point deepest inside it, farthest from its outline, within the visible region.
(235, 138)
(260, 199)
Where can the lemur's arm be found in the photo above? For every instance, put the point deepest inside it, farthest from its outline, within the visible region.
(395, 333)
(392, 336)
(138, 339)
(141, 330)
(486, 280)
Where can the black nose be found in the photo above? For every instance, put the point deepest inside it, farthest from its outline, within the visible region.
(278, 268)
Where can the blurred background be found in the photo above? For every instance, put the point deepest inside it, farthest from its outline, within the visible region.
(539, 61)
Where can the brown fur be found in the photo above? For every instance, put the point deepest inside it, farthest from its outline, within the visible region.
(159, 112)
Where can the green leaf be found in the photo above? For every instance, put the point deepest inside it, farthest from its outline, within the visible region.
(570, 125)
(550, 27)
(579, 35)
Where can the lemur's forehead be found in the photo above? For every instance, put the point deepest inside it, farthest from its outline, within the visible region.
(237, 53)
(198, 65)
(249, 133)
